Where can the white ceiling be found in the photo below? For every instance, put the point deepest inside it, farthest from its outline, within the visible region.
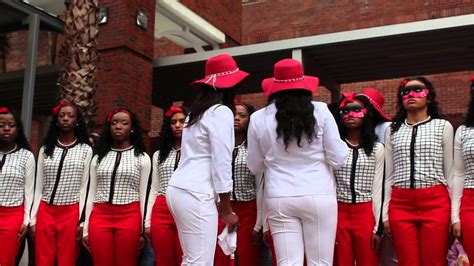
(55, 7)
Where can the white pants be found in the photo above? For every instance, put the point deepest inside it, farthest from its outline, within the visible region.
(196, 217)
(303, 225)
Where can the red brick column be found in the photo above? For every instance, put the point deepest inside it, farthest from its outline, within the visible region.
(125, 71)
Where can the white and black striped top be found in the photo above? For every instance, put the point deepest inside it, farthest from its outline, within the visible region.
(463, 167)
(467, 151)
(418, 156)
(243, 180)
(119, 178)
(355, 180)
(160, 177)
(17, 177)
(62, 178)
(165, 169)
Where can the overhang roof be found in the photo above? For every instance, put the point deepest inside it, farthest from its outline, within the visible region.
(14, 13)
(416, 48)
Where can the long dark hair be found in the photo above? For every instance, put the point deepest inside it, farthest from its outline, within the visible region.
(80, 131)
(469, 122)
(295, 115)
(208, 97)
(21, 140)
(136, 137)
(166, 137)
(367, 136)
(433, 108)
(250, 109)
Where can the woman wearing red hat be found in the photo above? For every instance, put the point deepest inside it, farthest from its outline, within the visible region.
(205, 168)
(17, 173)
(118, 184)
(419, 160)
(159, 223)
(61, 186)
(246, 195)
(359, 185)
(463, 184)
(296, 143)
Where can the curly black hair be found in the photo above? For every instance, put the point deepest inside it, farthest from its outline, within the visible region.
(368, 136)
(433, 106)
(21, 140)
(250, 110)
(469, 122)
(49, 142)
(207, 97)
(166, 137)
(295, 115)
(136, 137)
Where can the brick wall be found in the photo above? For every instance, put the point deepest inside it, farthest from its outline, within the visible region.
(264, 21)
(16, 55)
(226, 15)
(165, 47)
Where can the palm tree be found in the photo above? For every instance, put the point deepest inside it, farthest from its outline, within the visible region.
(78, 56)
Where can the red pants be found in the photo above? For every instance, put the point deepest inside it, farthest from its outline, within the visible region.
(246, 253)
(114, 233)
(164, 235)
(355, 226)
(11, 219)
(56, 229)
(467, 222)
(419, 221)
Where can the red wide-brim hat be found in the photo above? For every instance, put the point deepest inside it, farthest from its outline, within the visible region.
(377, 100)
(221, 72)
(288, 75)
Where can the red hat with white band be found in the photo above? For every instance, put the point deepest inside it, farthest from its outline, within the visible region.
(288, 75)
(222, 72)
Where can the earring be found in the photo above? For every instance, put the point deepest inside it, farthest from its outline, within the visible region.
(131, 131)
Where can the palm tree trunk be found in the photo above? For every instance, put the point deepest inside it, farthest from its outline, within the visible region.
(78, 57)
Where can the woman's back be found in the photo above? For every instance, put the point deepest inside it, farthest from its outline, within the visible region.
(198, 170)
(295, 170)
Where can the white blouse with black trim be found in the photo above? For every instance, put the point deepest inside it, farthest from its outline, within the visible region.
(244, 188)
(160, 176)
(17, 178)
(463, 167)
(62, 178)
(119, 178)
(418, 156)
(361, 178)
